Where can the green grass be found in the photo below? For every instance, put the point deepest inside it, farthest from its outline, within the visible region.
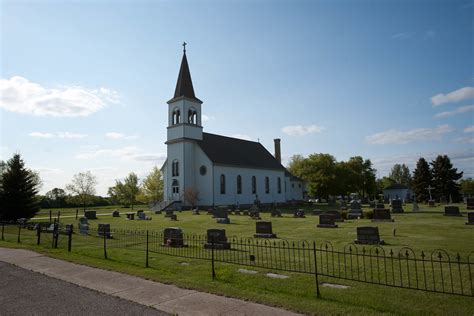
(427, 230)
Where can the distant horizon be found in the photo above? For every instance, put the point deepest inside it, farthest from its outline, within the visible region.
(83, 86)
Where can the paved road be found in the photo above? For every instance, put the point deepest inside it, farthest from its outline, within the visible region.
(23, 292)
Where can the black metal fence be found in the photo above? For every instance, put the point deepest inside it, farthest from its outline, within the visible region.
(437, 271)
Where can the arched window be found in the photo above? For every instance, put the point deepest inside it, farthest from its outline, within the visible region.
(175, 168)
(239, 184)
(279, 185)
(175, 186)
(267, 185)
(192, 116)
(222, 184)
(254, 185)
(176, 118)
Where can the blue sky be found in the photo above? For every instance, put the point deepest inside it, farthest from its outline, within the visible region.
(84, 85)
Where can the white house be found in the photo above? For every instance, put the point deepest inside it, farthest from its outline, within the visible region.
(224, 170)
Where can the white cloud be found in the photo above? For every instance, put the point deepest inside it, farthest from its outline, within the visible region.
(465, 140)
(469, 129)
(128, 153)
(206, 118)
(403, 35)
(19, 95)
(57, 135)
(117, 136)
(404, 137)
(241, 136)
(454, 96)
(459, 110)
(300, 130)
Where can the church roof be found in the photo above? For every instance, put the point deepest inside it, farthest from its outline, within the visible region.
(184, 85)
(237, 152)
(396, 186)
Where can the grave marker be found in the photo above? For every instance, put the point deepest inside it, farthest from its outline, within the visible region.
(216, 239)
(470, 218)
(327, 221)
(264, 230)
(104, 229)
(470, 203)
(299, 214)
(90, 214)
(115, 213)
(382, 215)
(397, 206)
(451, 211)
(337, 215)
(276, 213)
(130, 216)
(173, 237)
(368, 235)
(83, 226)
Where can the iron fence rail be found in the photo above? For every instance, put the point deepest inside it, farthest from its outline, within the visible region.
(436, 271)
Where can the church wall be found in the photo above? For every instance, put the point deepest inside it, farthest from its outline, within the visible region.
(203, 183)
(247, 197)
(294, 190)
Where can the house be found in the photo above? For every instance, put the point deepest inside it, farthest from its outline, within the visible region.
(397, 192)
(221, 170)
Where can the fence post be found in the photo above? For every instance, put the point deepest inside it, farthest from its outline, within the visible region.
(54, 228)
(212, 252)
(3, 230)
(56, 235)
(69, 241)
(50, 216)
(38, 234)
(105, 243)
(77, 211)
(318, 294)
(19, 232)
(146, 265)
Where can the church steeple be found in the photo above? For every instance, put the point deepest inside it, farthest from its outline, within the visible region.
(184, 85)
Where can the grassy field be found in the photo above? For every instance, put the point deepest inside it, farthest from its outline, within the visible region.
(426, 230)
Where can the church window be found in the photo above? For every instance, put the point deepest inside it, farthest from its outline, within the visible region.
(279, 185)
(254, 185)
(192, 116)
(176, 117)
(202, 170)
(267, 185)
(299, 185)
(239, 184)
(222, 184)
(175, 186)
(293, 185)
(175, 168)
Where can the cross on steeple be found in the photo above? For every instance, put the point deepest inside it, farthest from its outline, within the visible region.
(184, 47)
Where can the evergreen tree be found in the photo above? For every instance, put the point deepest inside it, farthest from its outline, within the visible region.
(19, 189)
(422, 179)
(445, 178)
(401, 174)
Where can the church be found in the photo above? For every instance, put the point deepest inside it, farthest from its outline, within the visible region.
(219, 170)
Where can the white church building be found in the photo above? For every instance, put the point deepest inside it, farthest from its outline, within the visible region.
(223, 170)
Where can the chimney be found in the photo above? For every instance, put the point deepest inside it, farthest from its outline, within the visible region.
(277, 149)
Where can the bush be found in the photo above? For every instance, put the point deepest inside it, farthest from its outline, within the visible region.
(368, 214)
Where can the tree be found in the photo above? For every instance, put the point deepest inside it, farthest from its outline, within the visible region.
(383, 183)
(295, 165)
(19, 189)
(83, 187)
(467, 187)
(191, 195)
(401, 174)
(445, 178)
(56, 197)
(151, 189)
(422, 179)
(319, 171)
(131, 189)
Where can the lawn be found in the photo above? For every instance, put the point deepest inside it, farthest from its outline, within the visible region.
(427, 230)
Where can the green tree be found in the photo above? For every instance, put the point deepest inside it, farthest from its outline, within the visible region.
(467, 187)
(401, 174)
(383, 183)
(445, 178)
(19, 189)
(131, 189)
(295, 165)
(56, 197)
(319, 172)
(151, 189)
(83, 187)
(422, 179)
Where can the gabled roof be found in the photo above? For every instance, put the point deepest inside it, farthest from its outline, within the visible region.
(396, 186)
(184, 85)
(237, 152)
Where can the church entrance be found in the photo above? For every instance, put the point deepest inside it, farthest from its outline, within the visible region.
(175, 189)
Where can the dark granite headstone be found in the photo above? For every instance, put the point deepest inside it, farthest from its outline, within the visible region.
(451, 211)
(382, 215)
(356, 205)
(397, 206)
(327, 221)
(221, 212)
(174, 217)
(298, 214)
(276, 213)
(130, 216)
(254, 214)
(470, 218)
(264, 230)
(104, 229)
(173, 237)
(158, 212)
(470, 203)
(368, 235)
(168, 213)
(90, 214)
(431, 203)
(138, 213)
(336, 214)
(216, 239)
(115, 213)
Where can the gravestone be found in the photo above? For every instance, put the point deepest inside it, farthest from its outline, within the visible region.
(90, 214)
(397, 206)
(368, 235)
(169, 213)
(276, 213)
(343, 205)
(130, 216)
(416, 208)
(139, 212)
(221, 214)
(431, 203)
(379, 205)
(83, 225)
(336, 214)
(115, 213)
(355, 205)
(158, 212)
(372, 204)
(174, 217)
(316, 212)
(254, 213)
(332, 202)
(173, 237)
(382, 215)
(327, 221)
(216, 239)
(245, 213)
(356, 211)
(443, 200)
(196, 212)
(69, 228)
(298, 214)
(104, 229)
(142, 216)
(470, 203)
(451, 211)
(264, 230)
(470, 218)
